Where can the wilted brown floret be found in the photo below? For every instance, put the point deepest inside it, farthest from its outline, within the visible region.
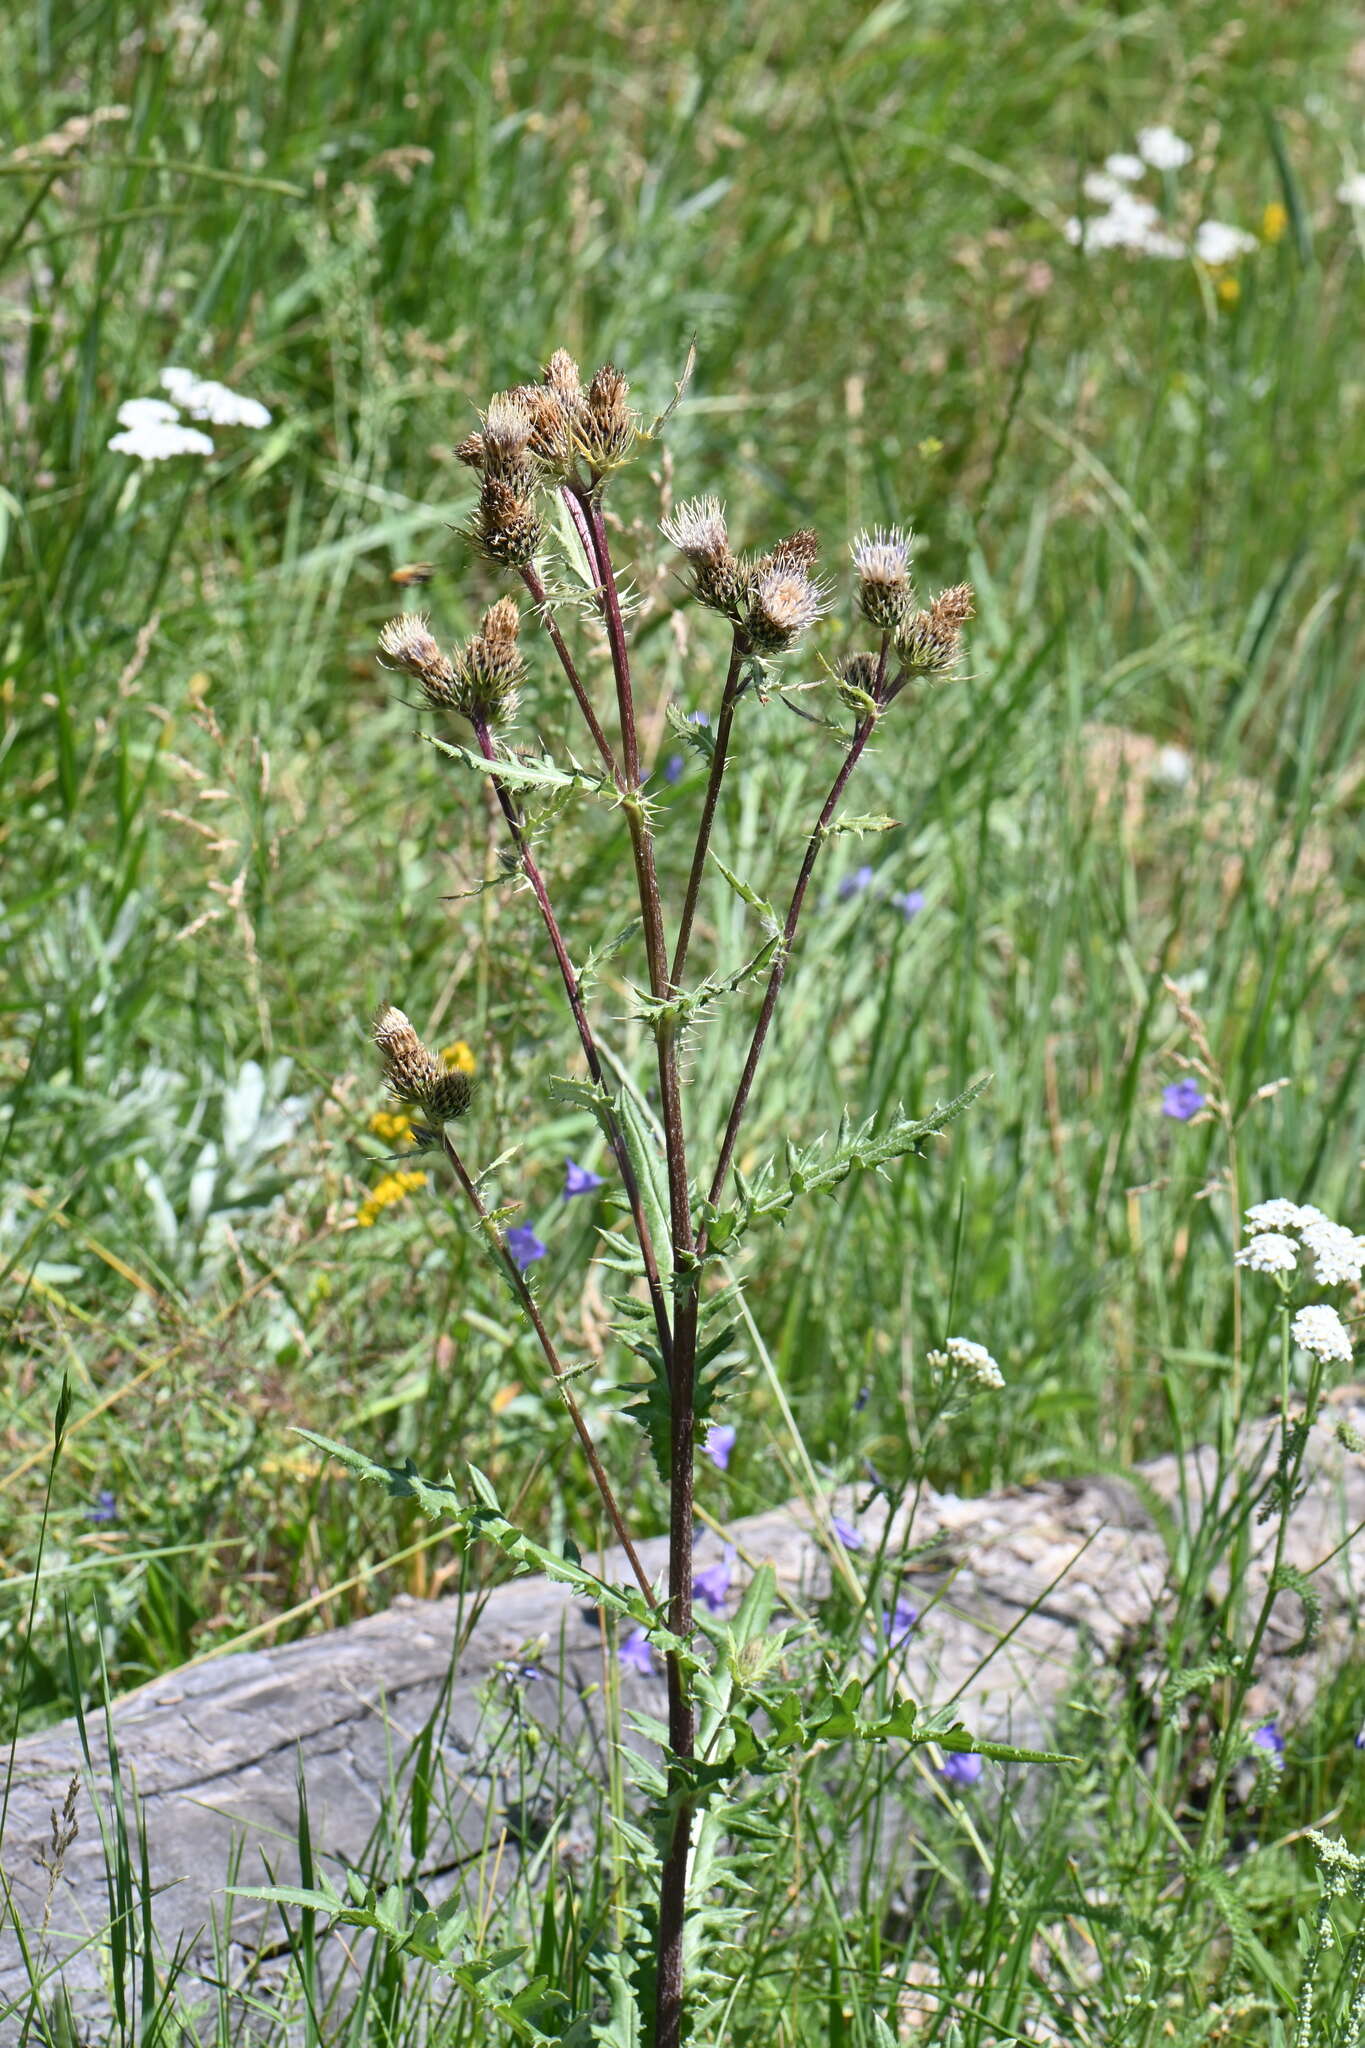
(471, 451)
(416, 1077)
(797, 551)
(561, 375)
(507, 528)
(507, 430)
(490, 670)
(932, 641)
(408, 643)
(610, 429)
(951, 610)
(553, 440)
(782, 602)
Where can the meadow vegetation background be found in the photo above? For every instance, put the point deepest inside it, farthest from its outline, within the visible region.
(221, 847)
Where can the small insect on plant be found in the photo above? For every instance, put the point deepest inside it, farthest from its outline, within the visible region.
(545, 456)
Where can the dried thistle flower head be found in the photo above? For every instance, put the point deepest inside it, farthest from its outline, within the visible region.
(797, 551)
(783, 602)
(417, 1078)
(562, 376)
(506, 527)
(882, 563)
(490, 669)
(408, 643)
(610, 426)
(931, 641)
(554, 437)
(697, 530)
(506, 436)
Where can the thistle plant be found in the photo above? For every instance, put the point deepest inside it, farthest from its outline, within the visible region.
(546, 455)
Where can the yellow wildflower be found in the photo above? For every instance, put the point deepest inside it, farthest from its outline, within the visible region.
(392, 1188)
(459, 1057)
(1274, 221)
(391, 1124)
(1229, 291)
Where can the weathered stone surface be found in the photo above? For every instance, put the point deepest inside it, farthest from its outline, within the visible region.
(1016, 1589)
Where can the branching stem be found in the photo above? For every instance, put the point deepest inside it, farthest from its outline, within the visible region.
(629, 1181)
(668, 2020)
(530, 1306)
(724, 721)
(566, 661)
(862, 734)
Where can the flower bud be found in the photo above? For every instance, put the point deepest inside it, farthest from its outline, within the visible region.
(857, 681)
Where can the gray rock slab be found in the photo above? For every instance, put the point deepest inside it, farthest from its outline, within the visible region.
(1016, 1591)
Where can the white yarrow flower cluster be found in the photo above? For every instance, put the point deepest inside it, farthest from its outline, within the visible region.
(1217, 244)
(1351, 191)
(1320, 1330)
(1269, 1252)
(152, 429)
(1276, 1214)
(1334, 1255)
(1131, 222)
(1163, 149)
(973, 1361)
(204, 399)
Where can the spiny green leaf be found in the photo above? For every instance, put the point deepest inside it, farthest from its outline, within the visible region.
(819, 1168)
(699, 738)
(599, 956)
(482, 1521)
(747, 894)
(620, 1111)
(873, 821)
(517, 772)
(685, 1006)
